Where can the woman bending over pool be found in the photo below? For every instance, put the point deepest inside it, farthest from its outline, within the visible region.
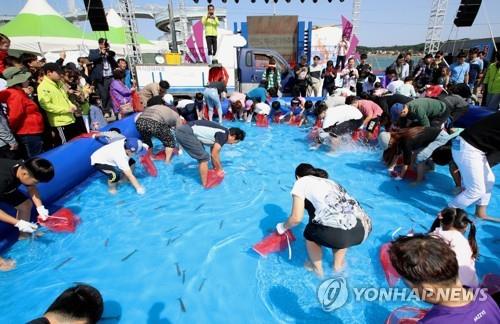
(336, 220)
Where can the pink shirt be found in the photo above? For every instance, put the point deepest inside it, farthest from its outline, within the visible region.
(237, 96)
(369, 108)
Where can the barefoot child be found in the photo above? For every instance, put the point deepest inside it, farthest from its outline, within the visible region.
(114, 158)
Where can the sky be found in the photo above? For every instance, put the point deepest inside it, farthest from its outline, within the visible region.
(382, 22)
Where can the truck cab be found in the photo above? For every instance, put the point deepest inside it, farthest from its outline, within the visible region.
(252, 62)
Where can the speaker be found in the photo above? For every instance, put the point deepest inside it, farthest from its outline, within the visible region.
(96, 15)
(467, 13)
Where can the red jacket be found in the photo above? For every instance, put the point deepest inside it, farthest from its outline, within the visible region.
(3, 55)
(23, 113)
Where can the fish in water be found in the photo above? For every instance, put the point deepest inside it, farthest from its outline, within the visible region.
(63, 263)
(244, 182)
(221, 223)
(198, 208)
(181, 303)
(106, 242)
(367, 205)
(202, 283)
(160, 207)
(178, 269)
(129, 255)
(170, 229)
(175, 239)
(183, 276)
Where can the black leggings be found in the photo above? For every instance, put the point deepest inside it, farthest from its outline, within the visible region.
(211, 44)
(149, 128)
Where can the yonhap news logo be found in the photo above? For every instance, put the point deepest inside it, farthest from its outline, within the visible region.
(333, 293)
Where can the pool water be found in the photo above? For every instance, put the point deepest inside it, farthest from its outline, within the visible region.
(182, 254)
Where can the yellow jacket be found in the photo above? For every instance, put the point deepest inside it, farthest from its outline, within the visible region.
(492, 79)
(54, 100)
(210, 25)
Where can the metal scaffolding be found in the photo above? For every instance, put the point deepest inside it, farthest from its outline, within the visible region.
(356, 11)
(133, 49)
(183, 24)
(436, 23)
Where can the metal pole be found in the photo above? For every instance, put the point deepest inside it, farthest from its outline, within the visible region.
(485, 12)
(172, 27)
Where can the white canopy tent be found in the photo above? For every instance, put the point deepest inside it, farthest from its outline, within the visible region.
(40, 29)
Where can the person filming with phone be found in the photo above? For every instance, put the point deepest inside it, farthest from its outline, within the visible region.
(211, 22)
(102, 74)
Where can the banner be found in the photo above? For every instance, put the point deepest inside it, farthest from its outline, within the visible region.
(352, 48)
(346, 28)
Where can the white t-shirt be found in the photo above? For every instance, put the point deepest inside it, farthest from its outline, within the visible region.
(394, 85)
(466, 264)
(333, 205)
(367, 86)
(340, 114)
(181, 104)
(262, 108)
(332, 101)
(112, 154)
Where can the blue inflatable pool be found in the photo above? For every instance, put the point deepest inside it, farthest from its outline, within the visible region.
(72, 166)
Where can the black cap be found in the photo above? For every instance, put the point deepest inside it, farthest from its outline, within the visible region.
(52, 67)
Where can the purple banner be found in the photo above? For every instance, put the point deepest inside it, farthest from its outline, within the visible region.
(198, 37)
(352, 49)
(191, 45)
(346, 28)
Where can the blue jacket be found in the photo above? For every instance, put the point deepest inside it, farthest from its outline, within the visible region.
(257, 93)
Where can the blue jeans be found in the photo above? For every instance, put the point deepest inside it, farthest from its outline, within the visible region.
(32, 144)
(212, 99)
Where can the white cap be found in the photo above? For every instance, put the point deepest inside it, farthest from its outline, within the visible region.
(168, 99)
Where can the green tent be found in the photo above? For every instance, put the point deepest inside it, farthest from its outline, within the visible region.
(39, 28)
(116, 33)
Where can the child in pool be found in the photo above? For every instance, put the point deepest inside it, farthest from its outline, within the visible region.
(248, 112)
(14, 173)
(428, 264)
(297, 112)
(450, 225)
(114, 158)
(309, 108)
(278, 112)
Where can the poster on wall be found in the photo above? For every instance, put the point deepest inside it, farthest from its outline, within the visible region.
(324, 42)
